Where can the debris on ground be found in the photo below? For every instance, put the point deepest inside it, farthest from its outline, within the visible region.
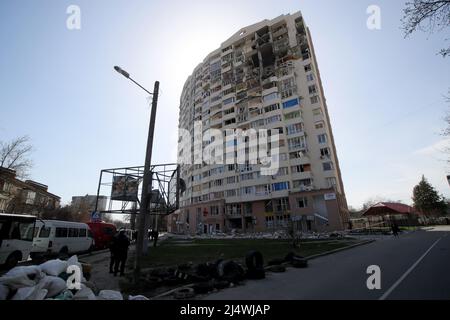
(280, 234)
(276, 268)
(296, 261)
(184, 293)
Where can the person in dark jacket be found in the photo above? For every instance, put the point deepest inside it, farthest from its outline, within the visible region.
(112, 245)
(122, 242)
(155, 237)
(395, 229)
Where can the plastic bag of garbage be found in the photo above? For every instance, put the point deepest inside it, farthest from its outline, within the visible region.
(54, 267)
(110, 295)
(53, 285)
(84, 294)
(30, 293)
(4, 292)
(138, 298)
(17, 281)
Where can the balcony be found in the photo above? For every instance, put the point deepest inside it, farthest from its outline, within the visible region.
(254, 103)
(227, 51)
(279, 32)
(272, 89)
(226, 68)
(302, 175)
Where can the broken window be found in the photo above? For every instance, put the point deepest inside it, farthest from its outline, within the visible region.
(302, 202)
(325, 152)
(312, 89)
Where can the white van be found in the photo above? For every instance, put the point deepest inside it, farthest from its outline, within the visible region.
(61, 238)
(16, 238)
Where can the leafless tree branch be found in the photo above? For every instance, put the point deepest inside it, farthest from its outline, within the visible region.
(15, 155)
(428, 16)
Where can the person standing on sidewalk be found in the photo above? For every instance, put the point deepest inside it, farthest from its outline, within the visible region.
(112, 249)
(121, 252)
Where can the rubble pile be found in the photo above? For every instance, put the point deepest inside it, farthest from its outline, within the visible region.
(51, 281)
(280, 234)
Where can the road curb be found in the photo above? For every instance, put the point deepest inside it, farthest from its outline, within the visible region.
(315, 256)
(85, 255)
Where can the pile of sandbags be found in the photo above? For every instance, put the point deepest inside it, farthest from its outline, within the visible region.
(42, 282)
(52, 280)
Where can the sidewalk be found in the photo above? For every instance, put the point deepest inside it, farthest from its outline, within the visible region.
(100, 275)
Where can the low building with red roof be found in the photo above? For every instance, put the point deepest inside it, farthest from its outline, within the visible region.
(391, 211)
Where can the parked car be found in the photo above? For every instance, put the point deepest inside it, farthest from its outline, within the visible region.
(103, 233)
(16, 238)
(61, 238)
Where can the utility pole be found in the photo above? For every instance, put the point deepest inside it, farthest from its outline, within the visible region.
(146, 185)
(147, 179)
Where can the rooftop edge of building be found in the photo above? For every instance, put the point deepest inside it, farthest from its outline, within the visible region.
(241, 33)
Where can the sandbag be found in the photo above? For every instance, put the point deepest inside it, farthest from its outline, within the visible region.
(73, 260)
(4, 292)
(30, 293)
(17, 281)
(33, 272)
(84, 294)
(54, 285)
(54, 267)
(110, 295)
(41, 294)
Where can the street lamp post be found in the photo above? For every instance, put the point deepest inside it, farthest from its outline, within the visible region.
(146, 183)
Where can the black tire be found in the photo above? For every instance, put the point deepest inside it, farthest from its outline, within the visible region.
(254, 260)
(299, 263)
(221, 284)
(13, 259)
(37, 258)
(63, 253)
(230, 271)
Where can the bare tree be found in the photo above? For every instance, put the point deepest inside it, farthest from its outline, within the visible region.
(446, 131)
(428, 16)
(15, 155)
(62, 213)
(374, 200)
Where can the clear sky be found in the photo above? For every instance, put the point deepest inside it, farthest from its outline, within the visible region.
(384, 92)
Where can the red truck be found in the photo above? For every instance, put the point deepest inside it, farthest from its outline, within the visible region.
(103, 233)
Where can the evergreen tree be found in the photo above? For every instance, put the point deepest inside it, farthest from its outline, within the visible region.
(427, 200)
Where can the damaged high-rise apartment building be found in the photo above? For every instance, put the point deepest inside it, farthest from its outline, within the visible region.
(265, 80)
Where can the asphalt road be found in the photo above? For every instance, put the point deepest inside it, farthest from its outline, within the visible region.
(413, 266)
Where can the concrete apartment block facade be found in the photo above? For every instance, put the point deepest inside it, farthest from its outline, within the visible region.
(264, 77)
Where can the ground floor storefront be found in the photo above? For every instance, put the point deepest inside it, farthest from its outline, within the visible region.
(314, 211)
